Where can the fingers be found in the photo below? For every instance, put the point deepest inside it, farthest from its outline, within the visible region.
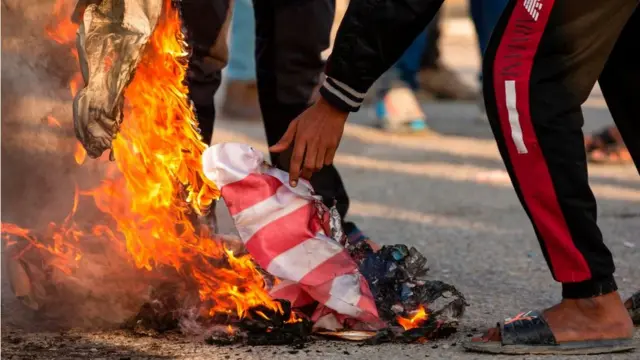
(297, 158)
(329, 155)
(310, 160)
(286, 140)
(320, 159)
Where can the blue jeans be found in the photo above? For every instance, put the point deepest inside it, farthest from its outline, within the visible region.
(485, 15)
(242, 62)
(408, 65)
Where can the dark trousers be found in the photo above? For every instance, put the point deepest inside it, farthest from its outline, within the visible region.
(540, 66)
(431, 53)
(290, 37)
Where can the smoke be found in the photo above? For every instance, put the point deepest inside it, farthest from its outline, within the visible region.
(37, 165)
(39, 176)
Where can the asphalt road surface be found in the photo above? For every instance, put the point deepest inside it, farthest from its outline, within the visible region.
(446, 194)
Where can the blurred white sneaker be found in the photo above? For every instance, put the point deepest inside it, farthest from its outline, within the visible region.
(400, 111)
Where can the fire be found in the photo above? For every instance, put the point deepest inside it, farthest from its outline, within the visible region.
(418, 317)
(80, 154)
(160, 182)
(51, 121)
(62, 241)
(63, 31)
(76, 82)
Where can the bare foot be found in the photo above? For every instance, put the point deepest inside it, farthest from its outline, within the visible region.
(599, 318)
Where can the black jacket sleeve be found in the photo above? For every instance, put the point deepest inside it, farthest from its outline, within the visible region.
(371, 38)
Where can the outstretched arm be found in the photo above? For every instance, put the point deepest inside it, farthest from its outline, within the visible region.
(372, 37)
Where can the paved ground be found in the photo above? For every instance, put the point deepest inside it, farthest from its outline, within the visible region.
(445, 194)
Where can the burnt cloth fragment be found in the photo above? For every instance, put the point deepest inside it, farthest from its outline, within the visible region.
(263, 326)
(395, 275)
(110, 42)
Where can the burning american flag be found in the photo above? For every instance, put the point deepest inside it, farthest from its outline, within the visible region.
(164, 177)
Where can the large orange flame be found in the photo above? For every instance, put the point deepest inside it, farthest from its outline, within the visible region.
(160, 183)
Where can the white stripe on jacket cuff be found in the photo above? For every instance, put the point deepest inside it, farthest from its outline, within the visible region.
(341, 95)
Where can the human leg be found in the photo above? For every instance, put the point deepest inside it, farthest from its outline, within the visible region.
(540, 66)
(289, 65)
(620, 84)
(485, 15)
(241, 99)
(206, 24)
(397, 108)
(435, 77)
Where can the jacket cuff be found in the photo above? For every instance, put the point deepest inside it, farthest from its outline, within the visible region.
(341, 95)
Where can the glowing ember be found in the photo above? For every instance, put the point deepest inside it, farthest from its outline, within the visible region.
(160, 183)
(415, 320)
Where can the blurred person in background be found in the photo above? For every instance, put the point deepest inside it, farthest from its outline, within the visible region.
(241, 97)
(434, 76)
(607, 147)
(421, 69)
(290, 37)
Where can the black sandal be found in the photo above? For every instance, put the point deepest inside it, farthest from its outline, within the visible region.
(528, 333)
(633, 304)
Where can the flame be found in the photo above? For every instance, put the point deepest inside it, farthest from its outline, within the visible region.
(76, 81)
(51, 121)
(80, 154)
(63, 242)
(63, 31)
(416, 320)
(160, 183)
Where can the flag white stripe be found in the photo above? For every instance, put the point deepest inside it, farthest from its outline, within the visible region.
(250, 220)
(345, 295)
(230, 162)
(295, 263)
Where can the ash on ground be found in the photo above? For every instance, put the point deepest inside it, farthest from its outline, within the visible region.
(395, 274)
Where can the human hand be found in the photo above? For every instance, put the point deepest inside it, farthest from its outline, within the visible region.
(315, 135)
